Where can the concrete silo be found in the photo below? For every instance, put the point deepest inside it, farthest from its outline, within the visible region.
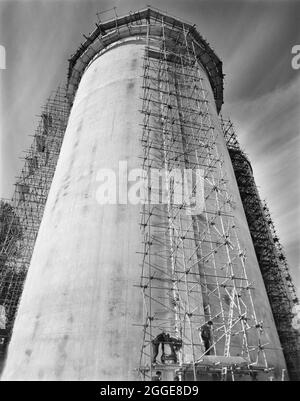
(105, 280)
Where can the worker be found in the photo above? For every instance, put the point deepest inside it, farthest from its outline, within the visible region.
(157, 377)
(174, 343)
(206, 335)
(160, 339)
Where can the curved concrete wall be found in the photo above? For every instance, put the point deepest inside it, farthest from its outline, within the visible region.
(79, 307)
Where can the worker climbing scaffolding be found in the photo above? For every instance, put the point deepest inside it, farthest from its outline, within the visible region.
(206, 336)
(165, 339)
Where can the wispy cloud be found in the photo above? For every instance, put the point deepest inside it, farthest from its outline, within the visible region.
(269, 131)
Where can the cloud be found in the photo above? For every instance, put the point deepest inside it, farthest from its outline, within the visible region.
(261, 59)
(269, 129)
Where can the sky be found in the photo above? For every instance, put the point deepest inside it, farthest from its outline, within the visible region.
(254, 40)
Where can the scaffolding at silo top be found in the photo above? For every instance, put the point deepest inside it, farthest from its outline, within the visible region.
(193, 268)
(21, 216)
(135, 25)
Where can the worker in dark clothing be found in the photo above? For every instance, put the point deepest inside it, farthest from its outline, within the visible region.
(206, 335)
(157, 377)
(160, 339)
(174, 343)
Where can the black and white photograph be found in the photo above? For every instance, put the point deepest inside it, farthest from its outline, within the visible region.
(149, 193)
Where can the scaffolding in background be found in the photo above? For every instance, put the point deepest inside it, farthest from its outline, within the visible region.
(270, 254)
(193, 269)
(21, 216)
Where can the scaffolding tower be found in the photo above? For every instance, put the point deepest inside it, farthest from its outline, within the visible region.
(21, 216)
(193, 268)
(270, 254)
